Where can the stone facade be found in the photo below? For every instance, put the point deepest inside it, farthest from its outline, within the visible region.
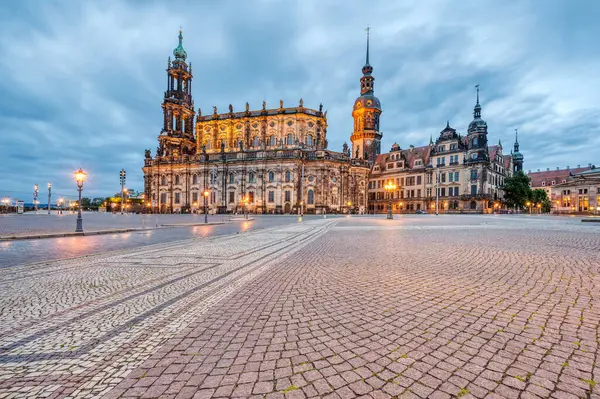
(466, 173)
(577, 193)
(264, 161)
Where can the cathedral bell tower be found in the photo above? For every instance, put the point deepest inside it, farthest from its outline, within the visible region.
(477, 151)
(366, 138)
(516, 155)
(177, 135)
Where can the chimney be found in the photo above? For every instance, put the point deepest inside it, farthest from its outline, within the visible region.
(557, 168)
(567, 167)
(412, 147)
(579, 166)
(529, 171)
(538, 170)
(547, 169)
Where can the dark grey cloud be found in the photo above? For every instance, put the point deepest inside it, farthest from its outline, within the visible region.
(82, 85)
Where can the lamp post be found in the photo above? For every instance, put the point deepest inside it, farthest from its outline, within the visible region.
(205, 195)
(400, 206)
(49, 195)
(59, 204)
(349, 204)
(390, 187)
(528, 204)
(80, 176)
(35, 197)
(539, 206)
(122, 178)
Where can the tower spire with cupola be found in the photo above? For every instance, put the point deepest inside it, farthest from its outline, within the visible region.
(516, 155)
(366, 137)
(177, 135)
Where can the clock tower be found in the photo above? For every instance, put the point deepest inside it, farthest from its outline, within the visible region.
(366, 138)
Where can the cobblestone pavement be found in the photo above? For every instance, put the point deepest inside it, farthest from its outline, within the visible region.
(14, 252)
(357, 307)
(42, 223)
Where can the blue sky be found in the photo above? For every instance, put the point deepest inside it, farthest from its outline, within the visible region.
(82, 82)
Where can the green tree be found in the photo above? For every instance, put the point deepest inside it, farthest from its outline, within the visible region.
(540, 196)
(516, 190)
(86, 202)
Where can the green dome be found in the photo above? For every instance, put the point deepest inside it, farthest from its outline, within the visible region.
(179, 51)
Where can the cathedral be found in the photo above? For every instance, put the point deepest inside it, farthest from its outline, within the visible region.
(270, 160)
(277, 160)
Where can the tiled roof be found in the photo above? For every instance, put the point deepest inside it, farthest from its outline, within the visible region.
(408, 155)
(493, 150)
(549, 176)
(506, 159)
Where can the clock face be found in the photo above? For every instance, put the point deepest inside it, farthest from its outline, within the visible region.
(474, 156)
(368, 142)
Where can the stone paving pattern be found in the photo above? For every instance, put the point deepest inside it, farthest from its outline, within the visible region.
(42, 223)
(359, 307)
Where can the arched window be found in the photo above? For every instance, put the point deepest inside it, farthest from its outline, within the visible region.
(255, 141)
(311, 197)
(177, 179)
(290, 139)
(473, 174)
(288, 176)
(273, 141)
(309, 140)
(208, 144)
(251, 177)
(195, 179)
(231, 178)
(271, 177)
(163, 181)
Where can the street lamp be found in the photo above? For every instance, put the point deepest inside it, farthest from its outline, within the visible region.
(49, 194)
(400, 207)
(205, 195)
(539, 208)
(528, 206)
(80, 176)
(35, 197)
(349, 204)
(390, 187)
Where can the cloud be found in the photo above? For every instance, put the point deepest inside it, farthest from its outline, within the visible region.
(82, 85)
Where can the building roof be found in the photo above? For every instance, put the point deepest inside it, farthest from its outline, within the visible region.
(545, 178)
(493, 150)
(263, 112)
(506, 159)
(409, 156)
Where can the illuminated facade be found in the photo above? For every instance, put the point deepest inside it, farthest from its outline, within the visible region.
(465, 172)
(266, 161)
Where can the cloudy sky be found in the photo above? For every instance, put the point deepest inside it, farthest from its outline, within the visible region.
(82, 82)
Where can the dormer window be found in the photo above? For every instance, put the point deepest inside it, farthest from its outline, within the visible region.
(553, 182)
(390, 166)
(543, 183)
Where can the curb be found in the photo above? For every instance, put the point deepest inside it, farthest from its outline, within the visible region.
(191, 224)
(590, 220)
(71, 234)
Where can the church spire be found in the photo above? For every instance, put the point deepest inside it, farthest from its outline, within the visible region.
(516, 140)
(367, 62)
(477, 109)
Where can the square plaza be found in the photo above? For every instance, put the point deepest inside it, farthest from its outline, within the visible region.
(420, 306)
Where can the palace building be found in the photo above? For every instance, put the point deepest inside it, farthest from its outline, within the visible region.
(277, 160)
(271, 160)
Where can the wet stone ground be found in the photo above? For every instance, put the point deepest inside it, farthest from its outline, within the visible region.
(418, 307)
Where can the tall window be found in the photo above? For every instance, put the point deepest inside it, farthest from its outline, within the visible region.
(309, 140)
(194, 179)
(251, 197)
(163, 198)
(231, 197)
(271, 177)
(273, 141)
(290, 139)
(288, 176)
(473, 174)
(208, 144)
(450, 177)
(194, 197)
(474, 189)
(255, 141)
(177, 179)
(271, 196)
(311, 197)
(163, 180)
(288, 195)
(231, 178)
(456, 176)
(251, 177)
(177, 198)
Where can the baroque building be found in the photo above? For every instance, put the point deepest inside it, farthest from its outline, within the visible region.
(277, 160)
(453, 174)
(271, 160)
